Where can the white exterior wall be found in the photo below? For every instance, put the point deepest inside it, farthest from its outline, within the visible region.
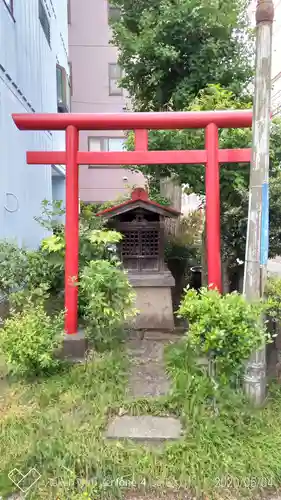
(190, 203)
(27, 84)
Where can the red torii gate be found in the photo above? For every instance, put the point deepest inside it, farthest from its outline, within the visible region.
(212, 156)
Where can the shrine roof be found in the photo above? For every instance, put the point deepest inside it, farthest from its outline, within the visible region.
(139, 199)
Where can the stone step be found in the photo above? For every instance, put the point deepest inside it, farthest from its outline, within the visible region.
(144, 428)
(148, 380)
(162, 336)
(148, 377)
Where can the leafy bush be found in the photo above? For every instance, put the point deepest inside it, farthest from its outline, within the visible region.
(50, 218)
(93, 244)
(108, 298)
(13, 266)
(98, 244)
(223, 327)
(39, 270)
(95, 241)
(29, 337)
(37, 295)
(273, 302)
(22, 268)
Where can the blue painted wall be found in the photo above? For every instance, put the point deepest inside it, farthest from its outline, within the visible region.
(28, 84)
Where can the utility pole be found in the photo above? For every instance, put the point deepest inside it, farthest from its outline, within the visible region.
(258, 215)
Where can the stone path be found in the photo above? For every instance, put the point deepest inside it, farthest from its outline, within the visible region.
(147, 379)
(145, 429)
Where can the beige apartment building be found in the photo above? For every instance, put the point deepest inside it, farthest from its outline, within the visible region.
(95, 75)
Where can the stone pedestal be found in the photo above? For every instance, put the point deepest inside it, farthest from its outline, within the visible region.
(74, 347)
(153, 300)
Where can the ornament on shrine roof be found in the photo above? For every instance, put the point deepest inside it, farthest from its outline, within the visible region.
(139, 199)
(139, 194)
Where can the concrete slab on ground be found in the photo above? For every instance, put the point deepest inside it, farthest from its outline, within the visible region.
(147, 381)
(148, 377)
(144, 428)
(145, 350)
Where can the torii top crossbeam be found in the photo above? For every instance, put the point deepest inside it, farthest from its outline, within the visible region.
(211, 121)
(134, 121)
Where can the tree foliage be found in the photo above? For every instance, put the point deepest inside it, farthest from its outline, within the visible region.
(186, 55)
(231, 175)
(171, 49)
(234, 178)
(234, 222)
(234, 212)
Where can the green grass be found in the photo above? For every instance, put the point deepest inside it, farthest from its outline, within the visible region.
(56, 425)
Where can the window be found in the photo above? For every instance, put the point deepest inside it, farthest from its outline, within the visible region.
(63, 90)
(114, 74)
(9, 5)
(114, 13)
(106, 143)
(68, 12)
(70, 77)
(44, 21)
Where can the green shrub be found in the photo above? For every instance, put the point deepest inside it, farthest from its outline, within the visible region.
(273, 301)
(29, 337)
(21, 268)
(51, 216)
(93, 244)
(13, 266)
(223, 327)
(39, 270)
(19, 299)
(109, 299)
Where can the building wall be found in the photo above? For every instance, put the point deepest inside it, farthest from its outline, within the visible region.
(28, 84)
(90, 54)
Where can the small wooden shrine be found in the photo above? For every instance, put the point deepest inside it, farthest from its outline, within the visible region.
(141, 222)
